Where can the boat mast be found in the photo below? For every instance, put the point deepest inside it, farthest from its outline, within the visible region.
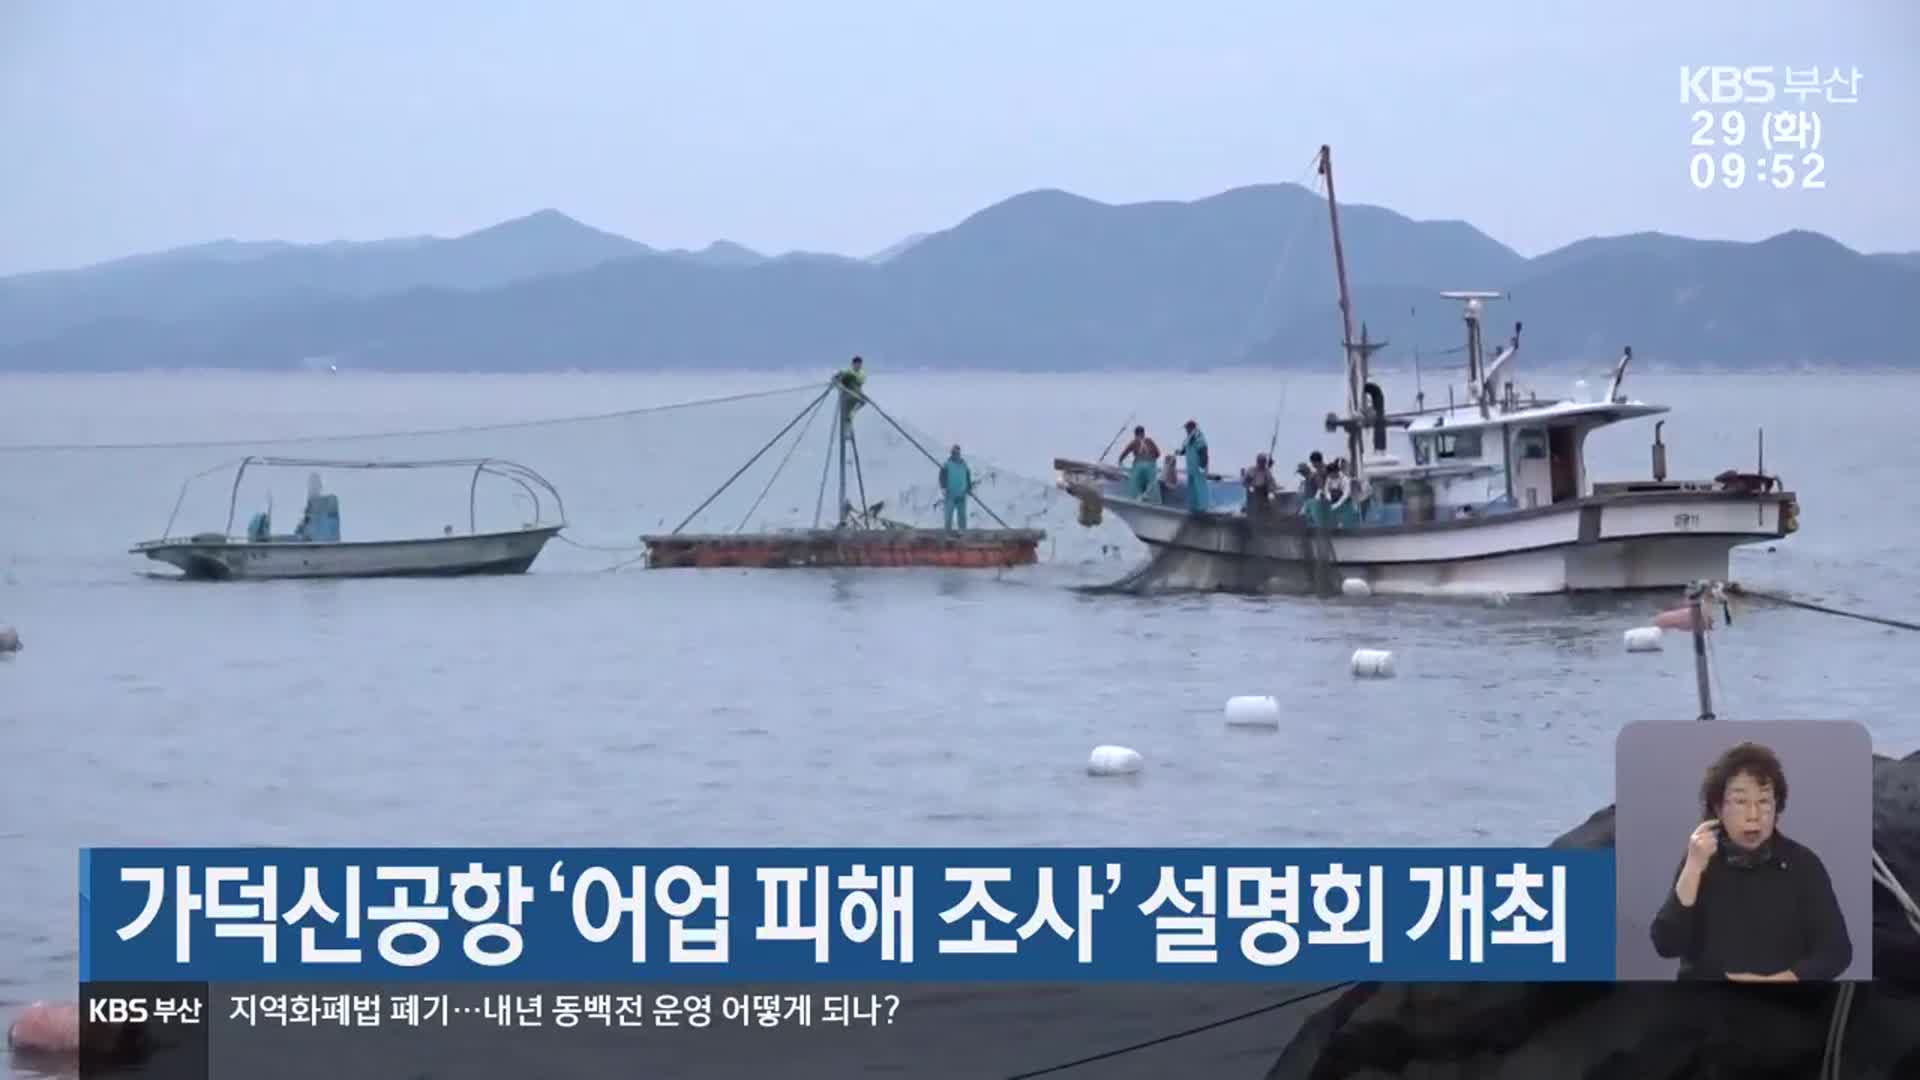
(1356, 374)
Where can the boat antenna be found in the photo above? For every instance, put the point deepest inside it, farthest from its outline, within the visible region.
(1475, 303)
(1419, 392)
(1619, 373)
(1356, 363)
(1487, 382)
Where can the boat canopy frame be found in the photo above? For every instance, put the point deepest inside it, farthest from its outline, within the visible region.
(524, 477)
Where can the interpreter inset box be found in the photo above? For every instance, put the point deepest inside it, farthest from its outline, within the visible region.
(1744, 850)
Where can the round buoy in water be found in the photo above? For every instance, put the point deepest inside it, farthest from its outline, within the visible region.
(9, 639)
(1643, 639)
(1253, 711)
(46, 1029)
(1372, 664)
(1681, 618)
(1113, 761)
(1354, 586)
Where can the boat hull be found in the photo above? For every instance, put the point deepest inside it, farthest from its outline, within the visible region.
(1612, 542)
(220, 559)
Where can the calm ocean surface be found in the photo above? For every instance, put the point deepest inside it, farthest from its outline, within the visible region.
(583, 705)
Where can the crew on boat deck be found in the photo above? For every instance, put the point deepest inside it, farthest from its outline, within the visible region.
(956, 480)
(1322, 491)
(1341, 493)
(1169, 477)
(1145, 452)
(1194, 449)
(1260, 483)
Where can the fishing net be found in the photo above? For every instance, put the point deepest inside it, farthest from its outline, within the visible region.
(1276, 552)
(883, 473)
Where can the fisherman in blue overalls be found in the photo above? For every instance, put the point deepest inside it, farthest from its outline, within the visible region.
(956, 480)
(1195, 452)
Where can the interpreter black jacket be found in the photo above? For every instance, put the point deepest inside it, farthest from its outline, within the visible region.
(1779, 914)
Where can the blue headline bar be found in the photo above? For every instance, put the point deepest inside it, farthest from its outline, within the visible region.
(710, 915)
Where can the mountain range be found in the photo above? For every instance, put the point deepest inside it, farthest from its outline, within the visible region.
(1044, 280)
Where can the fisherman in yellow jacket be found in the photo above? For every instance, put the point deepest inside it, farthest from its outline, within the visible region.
(853, 377)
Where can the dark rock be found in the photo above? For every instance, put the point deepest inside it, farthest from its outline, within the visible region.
(1642, 1031)
(1595, 832)
(1896, 836)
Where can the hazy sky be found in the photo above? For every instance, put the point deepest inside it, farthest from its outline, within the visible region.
(843, 126)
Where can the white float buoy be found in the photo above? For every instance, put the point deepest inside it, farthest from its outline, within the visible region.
(1354, 586)
(1643, 639)
(1113, 761)
(1372, 664)
(9, 639)
(1253, 711)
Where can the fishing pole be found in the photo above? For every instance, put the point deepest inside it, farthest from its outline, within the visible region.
(1116, 438)
(1273, 443)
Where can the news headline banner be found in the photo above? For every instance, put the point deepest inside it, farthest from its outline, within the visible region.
(719, 915)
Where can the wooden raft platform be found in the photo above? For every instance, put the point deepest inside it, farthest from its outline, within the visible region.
(847, 547)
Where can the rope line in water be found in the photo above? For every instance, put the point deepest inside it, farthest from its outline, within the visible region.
(369, 436)
(623, 549)
(1208, 1026)
(1808, 605)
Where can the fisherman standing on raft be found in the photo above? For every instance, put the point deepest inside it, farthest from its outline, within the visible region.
(1146, 455)
(956, 480)
(1195, 451)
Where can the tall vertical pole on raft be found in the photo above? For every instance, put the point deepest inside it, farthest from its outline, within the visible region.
(1696, 604)
(846, 421)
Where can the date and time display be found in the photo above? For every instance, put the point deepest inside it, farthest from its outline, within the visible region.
(1761, 127)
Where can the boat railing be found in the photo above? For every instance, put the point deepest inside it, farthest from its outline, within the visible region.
(1654, 487)
(520, 475)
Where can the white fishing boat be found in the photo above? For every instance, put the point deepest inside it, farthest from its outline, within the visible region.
(315, 548)
(1489, 494)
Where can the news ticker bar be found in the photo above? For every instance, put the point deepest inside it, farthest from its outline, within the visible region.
(201, 1006)
(213, 1031)
(730, 915)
